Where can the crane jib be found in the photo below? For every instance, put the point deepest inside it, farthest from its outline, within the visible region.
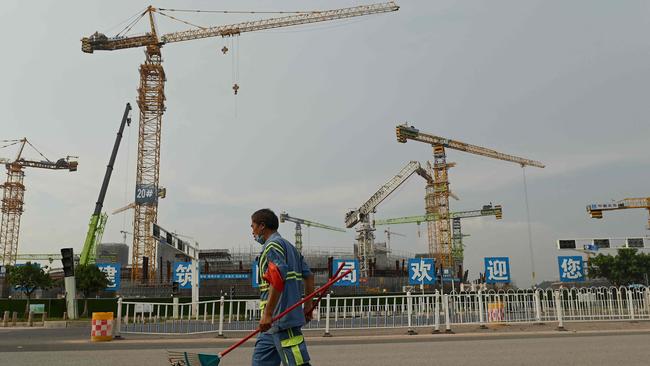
(100, 42)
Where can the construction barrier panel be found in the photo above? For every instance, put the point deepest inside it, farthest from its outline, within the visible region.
(102, 327)
(496, 312)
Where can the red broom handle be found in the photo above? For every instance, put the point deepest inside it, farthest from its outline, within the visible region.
(320, 296)
(282, 314)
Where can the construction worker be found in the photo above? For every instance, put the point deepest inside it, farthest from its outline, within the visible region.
(282, 273)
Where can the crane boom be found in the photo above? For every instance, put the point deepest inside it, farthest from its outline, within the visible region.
(404, 133)
(487, 210)
(285, 217)
(61, 164)
(299, 222)
(353, 217)
(286, 21)
(596, 209)
(99, 42)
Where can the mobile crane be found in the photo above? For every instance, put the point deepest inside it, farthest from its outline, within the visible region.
(98, 219)
(365, 237)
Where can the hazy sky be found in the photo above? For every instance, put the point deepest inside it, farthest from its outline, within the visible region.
(312, 129)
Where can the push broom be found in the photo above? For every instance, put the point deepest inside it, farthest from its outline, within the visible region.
(180, 358)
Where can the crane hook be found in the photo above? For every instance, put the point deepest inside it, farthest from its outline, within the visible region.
(235, 88)
(224, 50)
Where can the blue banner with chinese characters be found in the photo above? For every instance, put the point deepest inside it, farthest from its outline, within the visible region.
(571, 268)
(113, 273)
(182, 274)
(422, 271)
(352, 279)
(497, 269)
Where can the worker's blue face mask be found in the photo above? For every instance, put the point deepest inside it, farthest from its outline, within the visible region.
(260, 239)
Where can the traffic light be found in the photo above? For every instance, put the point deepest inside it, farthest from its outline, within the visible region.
(67, 258)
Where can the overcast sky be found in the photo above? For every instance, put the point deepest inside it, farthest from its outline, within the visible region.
(312, 129)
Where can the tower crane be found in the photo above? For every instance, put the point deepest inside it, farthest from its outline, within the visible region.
(365, 237)
(457, 236)
(299, 222)
(388, 234)
(596, 209)
(98, 219)
(151, 100)
(440, 189)
(14, 195)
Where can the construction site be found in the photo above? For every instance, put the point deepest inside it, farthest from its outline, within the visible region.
(152, 240)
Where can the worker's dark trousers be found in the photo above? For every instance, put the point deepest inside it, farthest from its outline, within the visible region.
(286, 347)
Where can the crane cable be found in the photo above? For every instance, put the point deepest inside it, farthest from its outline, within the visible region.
(11, 142)
(131, 23)
(530, 234)
(180, 20)
(40, 153)
(234, 45)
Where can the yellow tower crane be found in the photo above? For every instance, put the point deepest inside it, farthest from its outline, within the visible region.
(596, 209)
(151, 100)
(439, 194)
(14, 195)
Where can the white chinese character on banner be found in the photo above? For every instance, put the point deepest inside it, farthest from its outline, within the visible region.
(571, 268)
(352, 276)
(421, 271)
(183, 274)
(497, 270)
(110, 272)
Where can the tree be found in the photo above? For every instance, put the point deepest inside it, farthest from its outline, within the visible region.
(28, 278)
(90, 279)
(625, 268)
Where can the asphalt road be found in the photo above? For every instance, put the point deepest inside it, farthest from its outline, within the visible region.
(561, 348)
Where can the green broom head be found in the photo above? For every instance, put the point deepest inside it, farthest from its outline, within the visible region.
(178, 358)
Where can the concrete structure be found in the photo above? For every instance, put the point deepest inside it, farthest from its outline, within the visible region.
(113, 253)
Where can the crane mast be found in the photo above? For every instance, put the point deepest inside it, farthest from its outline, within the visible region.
(365, 237)
(284, 217)
(14, 195)
(151, 101)
(437, 198)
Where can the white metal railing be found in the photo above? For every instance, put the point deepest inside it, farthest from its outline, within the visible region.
(397, 311)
